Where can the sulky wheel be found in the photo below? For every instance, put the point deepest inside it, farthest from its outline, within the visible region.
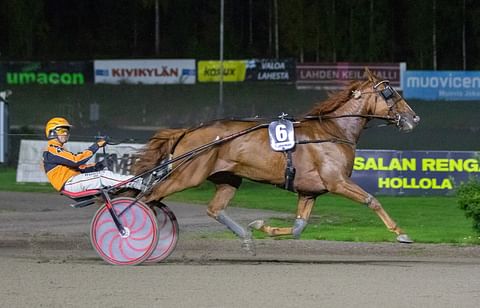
(167, 232)
(137, 244)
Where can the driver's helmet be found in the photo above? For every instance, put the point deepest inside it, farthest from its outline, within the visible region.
(57, 127)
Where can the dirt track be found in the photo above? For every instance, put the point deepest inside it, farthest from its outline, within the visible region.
(46, 261)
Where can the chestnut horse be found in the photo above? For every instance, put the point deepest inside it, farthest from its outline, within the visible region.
(323, 156)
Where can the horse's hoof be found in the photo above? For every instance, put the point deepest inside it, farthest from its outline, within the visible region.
(403, 238)
(256, 224)
(249, 246)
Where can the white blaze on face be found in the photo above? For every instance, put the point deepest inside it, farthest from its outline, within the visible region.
(407, 123)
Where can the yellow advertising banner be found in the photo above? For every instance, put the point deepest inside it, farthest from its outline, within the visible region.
(233, 71)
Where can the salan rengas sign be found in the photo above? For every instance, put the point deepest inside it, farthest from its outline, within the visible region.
(389, 172)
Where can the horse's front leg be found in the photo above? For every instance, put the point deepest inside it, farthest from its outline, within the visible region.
(216, 209)
(352, 191)
(304, 209)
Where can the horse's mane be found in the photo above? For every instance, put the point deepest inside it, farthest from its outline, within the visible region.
(335, 100)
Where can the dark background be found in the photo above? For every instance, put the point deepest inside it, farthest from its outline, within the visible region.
(427, 34)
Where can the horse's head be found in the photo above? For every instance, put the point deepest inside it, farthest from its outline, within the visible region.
(385, 102)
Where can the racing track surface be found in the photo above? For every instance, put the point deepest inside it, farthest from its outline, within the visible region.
(46, 261)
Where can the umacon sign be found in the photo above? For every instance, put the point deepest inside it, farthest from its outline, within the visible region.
(46, 73)
(20, 78)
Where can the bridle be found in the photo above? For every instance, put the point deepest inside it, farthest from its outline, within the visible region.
(388, 94)
(391, 98)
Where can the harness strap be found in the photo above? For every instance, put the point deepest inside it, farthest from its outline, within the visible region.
(289, 172)
(332, 140)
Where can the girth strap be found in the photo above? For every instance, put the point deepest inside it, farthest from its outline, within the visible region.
(289, 172)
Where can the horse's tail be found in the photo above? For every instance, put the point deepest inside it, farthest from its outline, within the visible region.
(160, 146)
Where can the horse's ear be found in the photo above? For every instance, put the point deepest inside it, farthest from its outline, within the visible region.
(369, 75)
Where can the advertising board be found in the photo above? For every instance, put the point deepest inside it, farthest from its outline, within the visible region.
(175, 71)
(442, 85)
(30, 167)
(334, 76)
(273, 70)
(233, 71)
(46, 73)
(388, 172)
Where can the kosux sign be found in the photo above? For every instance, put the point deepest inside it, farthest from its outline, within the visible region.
(228, 71)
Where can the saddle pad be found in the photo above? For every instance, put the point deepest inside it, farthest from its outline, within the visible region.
(282, 137)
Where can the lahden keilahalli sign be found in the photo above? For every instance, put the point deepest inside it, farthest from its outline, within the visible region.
(46, 73)
(388, 172)
(334, 76)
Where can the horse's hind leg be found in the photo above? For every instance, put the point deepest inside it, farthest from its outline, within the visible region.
(304, 209)
(216, 209)
(354, 192)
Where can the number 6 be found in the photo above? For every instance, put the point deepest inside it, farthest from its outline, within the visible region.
(281, 132)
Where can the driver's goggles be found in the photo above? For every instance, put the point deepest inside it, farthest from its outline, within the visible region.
(62, 131)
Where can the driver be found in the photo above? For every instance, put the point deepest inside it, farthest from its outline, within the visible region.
(68, 171)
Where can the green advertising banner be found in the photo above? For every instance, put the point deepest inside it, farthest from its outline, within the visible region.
(46, 73)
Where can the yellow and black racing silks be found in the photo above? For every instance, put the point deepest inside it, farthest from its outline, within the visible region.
(60, 164)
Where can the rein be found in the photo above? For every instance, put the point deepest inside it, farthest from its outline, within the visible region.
(389, 120)
(366, 116)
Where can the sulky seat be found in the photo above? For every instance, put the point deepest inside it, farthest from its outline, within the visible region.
(82, 198)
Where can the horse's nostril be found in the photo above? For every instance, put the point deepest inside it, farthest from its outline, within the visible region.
(416, 119)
